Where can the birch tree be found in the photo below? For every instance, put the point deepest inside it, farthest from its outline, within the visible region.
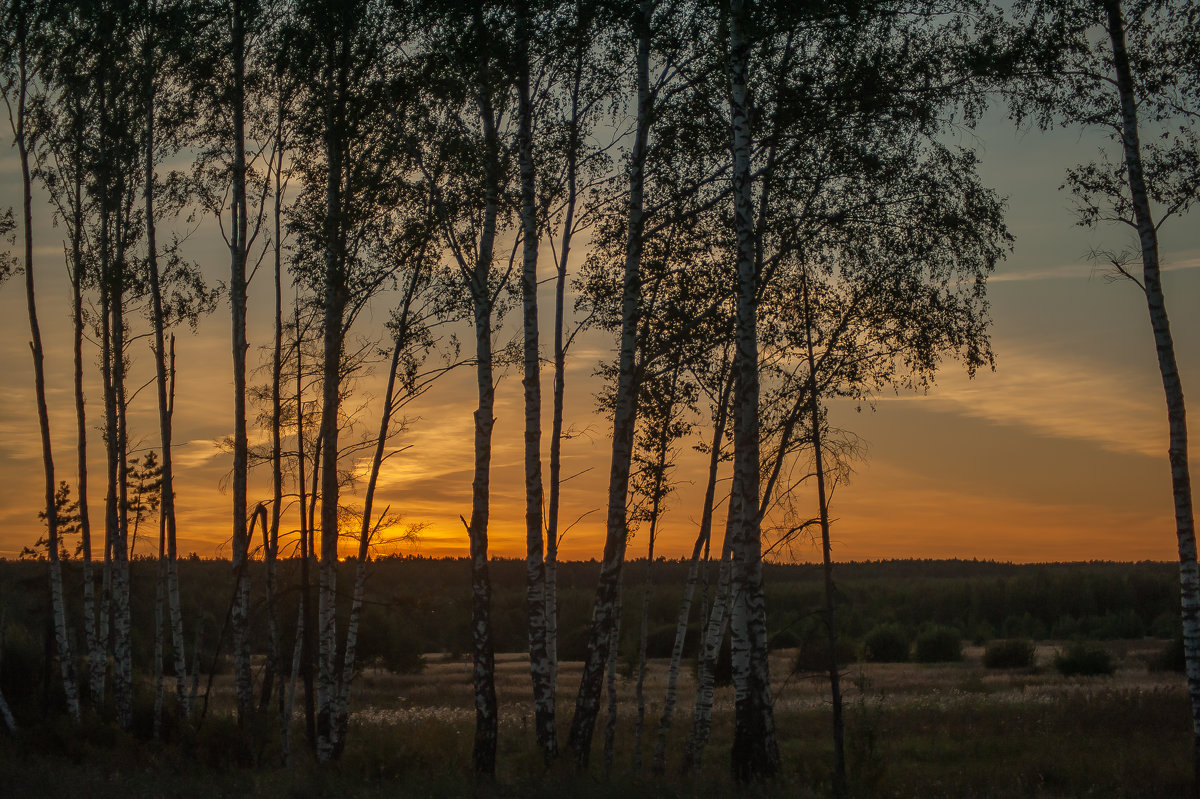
(604, 614)
(1126, 68)
(540, 668)
(468, 167)
(349, 175)
(67, 135)
(20, 71)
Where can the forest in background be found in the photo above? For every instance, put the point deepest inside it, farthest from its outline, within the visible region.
(414, 606)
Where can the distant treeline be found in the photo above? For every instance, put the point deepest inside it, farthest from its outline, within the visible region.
(419, 605)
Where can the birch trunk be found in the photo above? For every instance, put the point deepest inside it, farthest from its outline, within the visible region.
(58, 601)
(484, 752)
(334, 313)
(706, 673)
(556, 434)
(306, 553)
(644, 631)
(164, 377)
(6, 715)
(1189, 573)
(483, 756)
(285, 723)
(540, 670)
(160, 599)
(659, 764)
(835, 688)
(755, 752)
(174, 606)
(108, 367)
(342, 711)
(610, 728)
(237, 301)
(604, 618)
(272, 549)
(122, 610)
(95, 652)
(111, 520)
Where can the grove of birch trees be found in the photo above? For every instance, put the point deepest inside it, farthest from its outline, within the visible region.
(760, 208)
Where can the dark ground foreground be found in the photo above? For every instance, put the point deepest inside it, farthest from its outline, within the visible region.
(945, 730)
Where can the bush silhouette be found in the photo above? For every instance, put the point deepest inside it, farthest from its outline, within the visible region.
(887, 643)
(1084, 658)
(1009, 653)
(938, 644)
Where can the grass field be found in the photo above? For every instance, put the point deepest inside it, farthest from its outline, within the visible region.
(913, 730)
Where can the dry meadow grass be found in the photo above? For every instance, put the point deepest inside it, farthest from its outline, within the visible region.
(913, 730)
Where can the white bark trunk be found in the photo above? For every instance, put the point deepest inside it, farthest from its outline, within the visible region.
(706, 672)
(755, 751)
(685, 606)
(604, 613)
(1177, 453)
(614, 650)
(58, 601)
(540, 670)
(237, 299)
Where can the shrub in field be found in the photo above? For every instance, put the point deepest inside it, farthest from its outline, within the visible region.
(1171, 657)
(938, 644)
(1009, 653)
(887, 643)
(1084, 658)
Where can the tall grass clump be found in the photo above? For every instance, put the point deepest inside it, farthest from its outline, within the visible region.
(1009, 653)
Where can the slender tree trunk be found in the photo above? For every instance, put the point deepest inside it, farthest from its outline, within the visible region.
(484, 753)
(662, 445)
(164, 383)
(6, 715)
(614, 651)
(58, 601)
(685, 606)
(95, 652)
(332, 333)
(1189, 572)
(272, 546)
(342, 711)
(483, 757)
(237, 299)
(755, 752)
(121, 600)
(109, 363)
(540, 669)
(560, 360)
(160, 599)
(111, 438)
(835, 688)
(174, 605)
(706, 673)
(305, 631)
(285, 730)
(587, 701)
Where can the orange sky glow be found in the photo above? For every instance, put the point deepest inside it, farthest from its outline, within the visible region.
(1059, 454)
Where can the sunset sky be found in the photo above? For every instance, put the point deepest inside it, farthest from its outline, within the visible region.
(1060, 454)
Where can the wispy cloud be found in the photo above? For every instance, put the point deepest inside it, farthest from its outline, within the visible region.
(1086, 271)
(1063, 397)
